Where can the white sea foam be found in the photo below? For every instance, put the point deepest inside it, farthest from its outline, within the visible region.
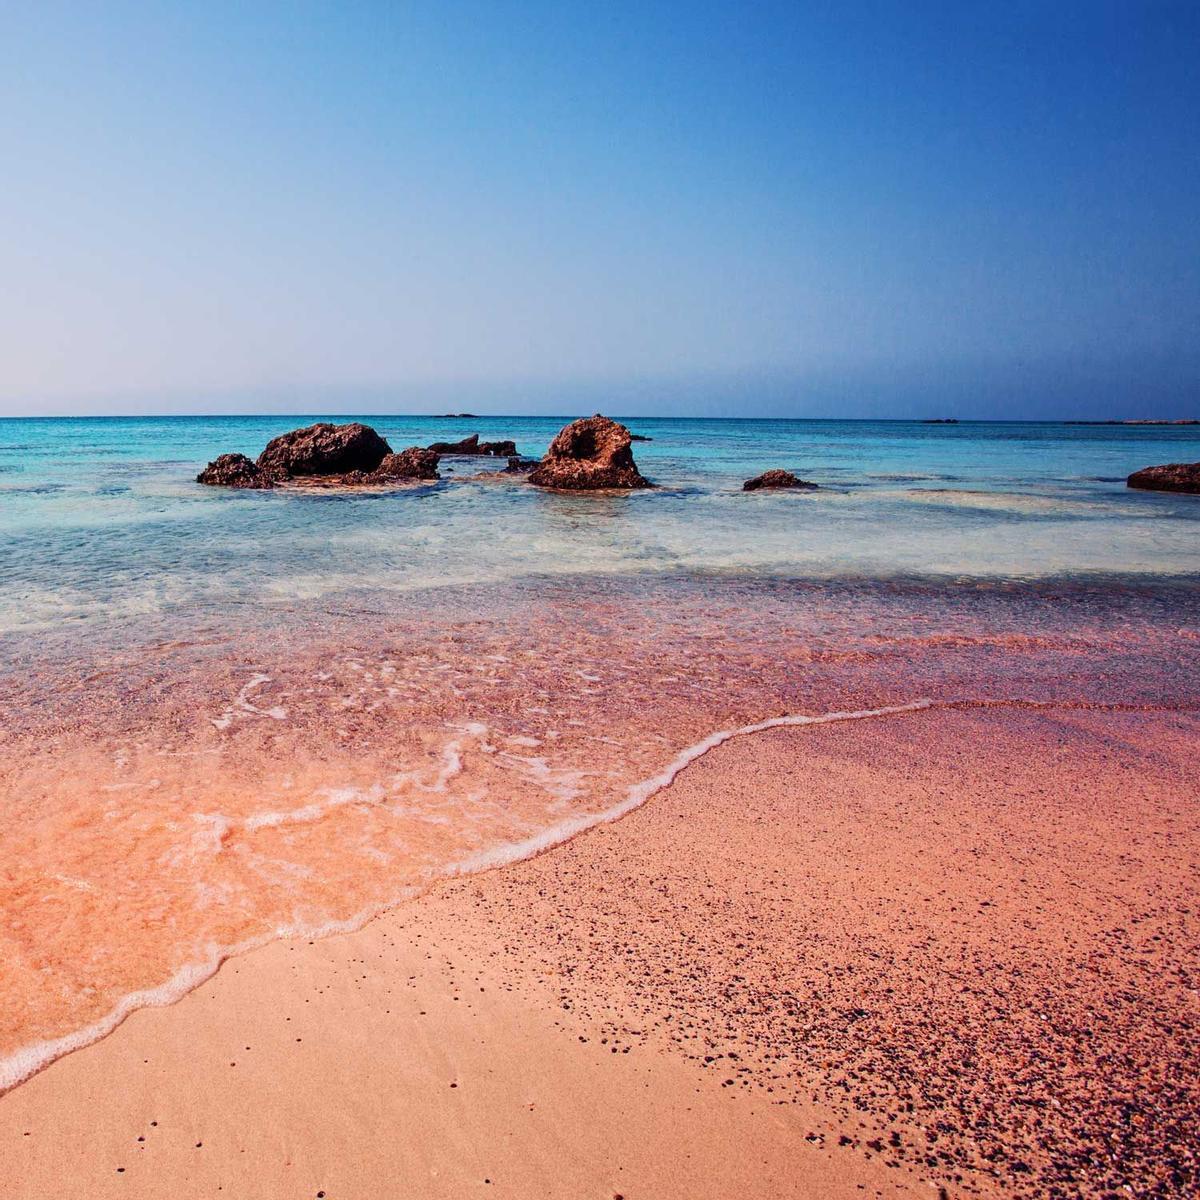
(563, 831)
(243, 704)
(19, 1065)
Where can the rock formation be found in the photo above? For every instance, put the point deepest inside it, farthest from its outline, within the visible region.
(414, 463)
(777, 479)
(589, 454)
(472, 445)
(233, 470)
(334, 455)
(1171, 477)
(323, 449)
(520, 466)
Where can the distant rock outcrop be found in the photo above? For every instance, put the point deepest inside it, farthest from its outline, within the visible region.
(587, 455)
(778, 479)
(235, 471)
(323, 449)
(1170, 477)
(332, 455)
(472, 445)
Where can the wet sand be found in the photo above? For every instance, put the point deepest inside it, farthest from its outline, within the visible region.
(941, 950)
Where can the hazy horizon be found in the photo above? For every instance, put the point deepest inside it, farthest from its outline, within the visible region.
(769, 210)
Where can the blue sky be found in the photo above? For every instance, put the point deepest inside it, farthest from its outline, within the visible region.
(756, 208)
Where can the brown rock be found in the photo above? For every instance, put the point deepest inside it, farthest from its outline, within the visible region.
(520, 466)
(323, 449)
(777, 479)
(414, 463)
(1171, 477)
(588, 454)
(234, 470)
(472, 445)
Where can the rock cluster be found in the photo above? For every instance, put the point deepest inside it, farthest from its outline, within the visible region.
(472, 445)
(1170, 477)
(589, 454)
(349, 455)
(777, 479)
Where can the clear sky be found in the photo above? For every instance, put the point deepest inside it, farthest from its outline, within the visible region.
(839, 208)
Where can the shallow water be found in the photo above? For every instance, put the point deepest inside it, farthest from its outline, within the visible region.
(100, 519)
(232, 715)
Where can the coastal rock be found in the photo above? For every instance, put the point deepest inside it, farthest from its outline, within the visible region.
(778, 479)
(235, 471)
(520, 466)
(1170, 477)
(323, 449)
(589, 454)
(415, 462)
(472, 445)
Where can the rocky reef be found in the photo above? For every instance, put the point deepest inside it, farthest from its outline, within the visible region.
(590, 454)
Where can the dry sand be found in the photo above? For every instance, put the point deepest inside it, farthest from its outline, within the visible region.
(943, 950)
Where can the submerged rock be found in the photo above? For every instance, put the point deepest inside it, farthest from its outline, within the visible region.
(1170, 477)
(589, 454)
(472, 445)
(323, 449)
(778, 479)
(520, 466)
(235, 471)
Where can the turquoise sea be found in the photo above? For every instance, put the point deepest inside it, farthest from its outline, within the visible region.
(233, 716)
(100, 519)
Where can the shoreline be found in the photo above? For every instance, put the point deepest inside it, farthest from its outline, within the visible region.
(27, 1061)
(559, 935)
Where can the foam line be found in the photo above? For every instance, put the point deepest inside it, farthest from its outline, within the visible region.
(511, 852)
(28, 1060)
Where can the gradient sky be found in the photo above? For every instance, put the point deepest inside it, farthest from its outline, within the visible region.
(795, 209)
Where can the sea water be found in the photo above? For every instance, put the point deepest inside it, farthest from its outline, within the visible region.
(230, 716)
(101, 518)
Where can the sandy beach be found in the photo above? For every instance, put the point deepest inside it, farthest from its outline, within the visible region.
(942, 950)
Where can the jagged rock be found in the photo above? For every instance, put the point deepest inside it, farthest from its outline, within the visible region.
(588, 454)
(777, 479)
(235, 471)
(1170, 477)
(323, 449)
(472, 445)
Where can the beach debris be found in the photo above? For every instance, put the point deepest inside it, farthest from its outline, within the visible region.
(590, 454)
(352, 455)
(472, 445)
(235, 471)
(1170, 477)
(776, 478)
